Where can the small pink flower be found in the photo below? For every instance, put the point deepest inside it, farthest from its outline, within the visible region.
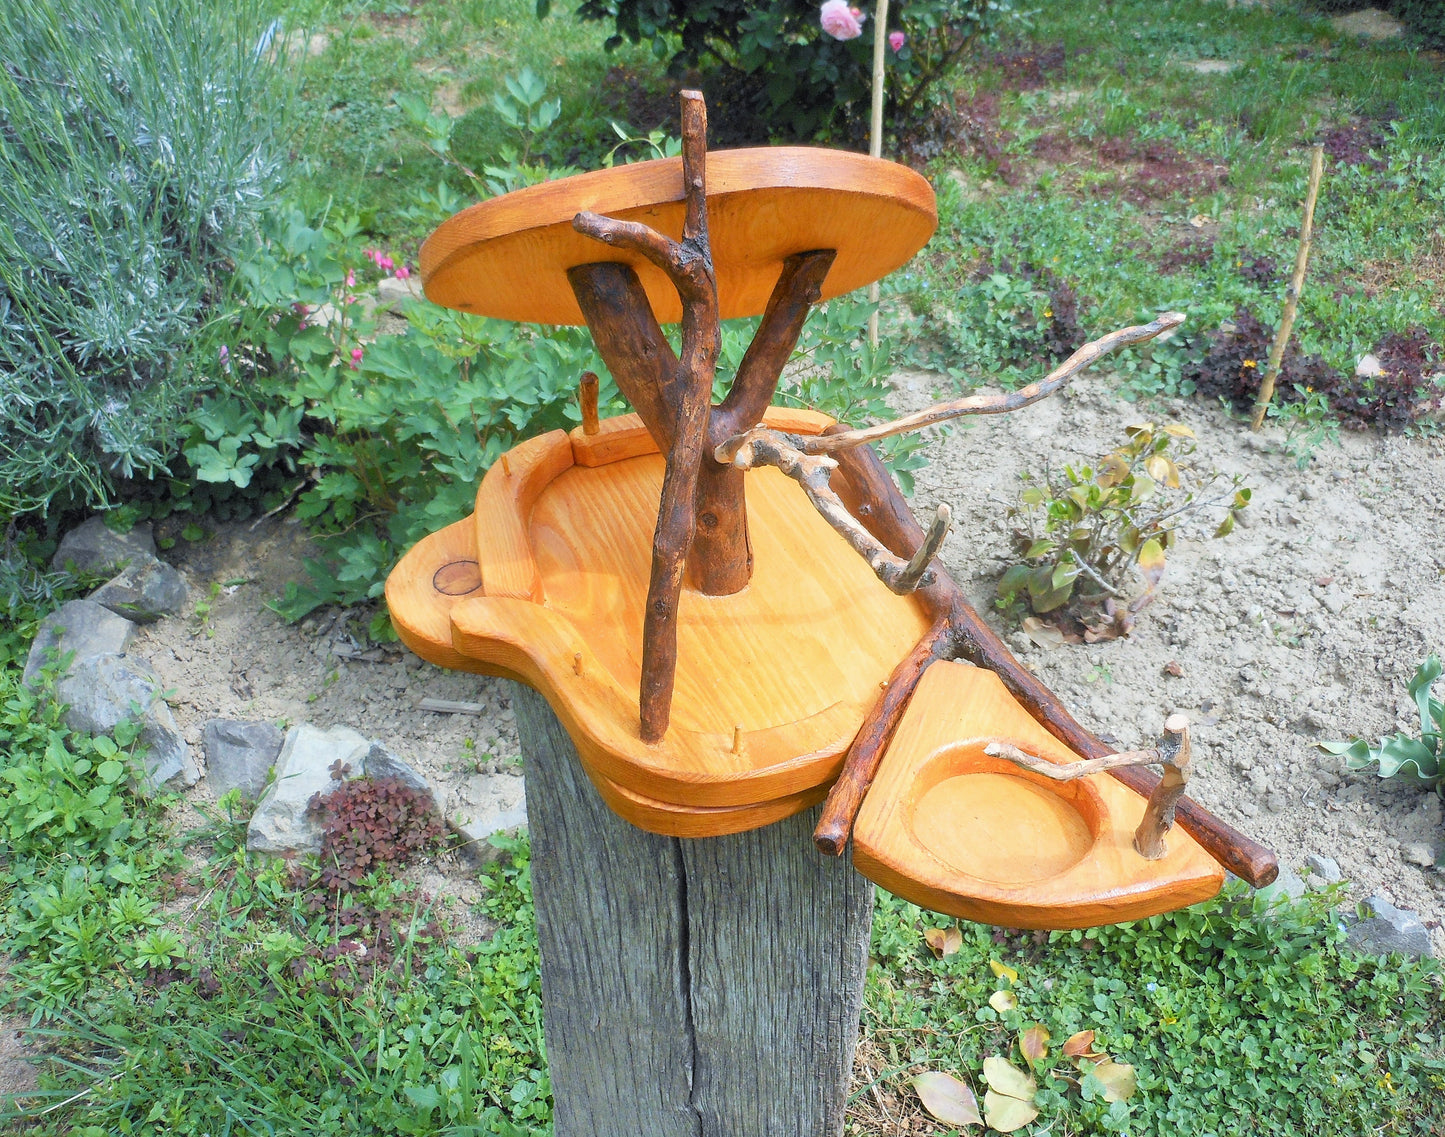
(896, 40)
(402, 272)
(301, 310)
(356, 355)
(351, 278)
(373, 255)
(225, 353)
(840, 21)
(386, 263)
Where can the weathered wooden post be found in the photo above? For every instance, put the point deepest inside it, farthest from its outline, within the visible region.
(701, 650)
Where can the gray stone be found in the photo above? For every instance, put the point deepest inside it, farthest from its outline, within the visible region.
(101, 691)
(81, 627)
(391, 292)
(476, 835)
(145, 590)
(1326, 868)
(1420, 853)
(93, 547)
(303, 769)
(1286, 886)
(382, 763)
(239, 755)
(1389, 929)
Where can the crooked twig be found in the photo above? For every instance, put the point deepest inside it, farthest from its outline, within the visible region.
(688, 264)
(804, 458)
(765, 447)
(1173, 752)
(974, 404)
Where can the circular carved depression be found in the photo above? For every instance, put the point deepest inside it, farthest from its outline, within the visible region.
(1001, 828)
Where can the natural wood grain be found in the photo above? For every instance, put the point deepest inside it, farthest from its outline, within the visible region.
(673, 820)
(504, 501)
(419, 610)
(507, 257)
(876, 501)
(736, 663)
(860, 764)
(690, 988)
(626, 436)
(1176, 756)
(587, 391)
(957, 831)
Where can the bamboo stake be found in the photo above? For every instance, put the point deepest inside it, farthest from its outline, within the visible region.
(1291, 297)
(875, 136)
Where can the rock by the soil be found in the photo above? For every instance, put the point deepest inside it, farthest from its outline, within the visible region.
(93, 547)
(390, 292)
(477, 834)
(103, 690)
(145, 590)
(1419, 853)
(1326, 868)
(382, 763)
(1389, 929)
(240, 754)
(304, 768)
(1287, 885)
(79, 626)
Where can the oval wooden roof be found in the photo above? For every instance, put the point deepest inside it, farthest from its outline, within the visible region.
(507, 257)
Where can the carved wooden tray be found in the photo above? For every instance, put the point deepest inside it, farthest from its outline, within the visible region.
(507, 257)
(772, 682)
(956, 831)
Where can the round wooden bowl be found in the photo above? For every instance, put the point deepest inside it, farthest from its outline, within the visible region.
(508, 256)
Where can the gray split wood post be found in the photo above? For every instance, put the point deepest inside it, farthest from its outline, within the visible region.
(690, 988)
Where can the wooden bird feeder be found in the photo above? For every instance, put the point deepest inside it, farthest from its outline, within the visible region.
(732, 615)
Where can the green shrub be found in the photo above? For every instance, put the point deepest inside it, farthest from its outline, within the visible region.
(136, 139)
(799, 80)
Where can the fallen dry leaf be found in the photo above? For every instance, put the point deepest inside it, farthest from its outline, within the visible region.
(1003, 971)
(1003, 1076)
(1042, 634)
(1120, 1082)
(1034, 1044)
(1081, 1044)
(947, 1099)
(1002, 1001)
(1174, 668)
(943, 941)
(1007, 1114)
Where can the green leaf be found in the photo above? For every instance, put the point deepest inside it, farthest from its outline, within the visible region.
(110, 771)
(1419, 688)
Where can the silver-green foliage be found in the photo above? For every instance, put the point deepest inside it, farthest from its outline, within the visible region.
(137, 137)
(1402, 755)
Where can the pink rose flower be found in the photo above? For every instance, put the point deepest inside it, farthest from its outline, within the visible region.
(840, 21)
(896, 40)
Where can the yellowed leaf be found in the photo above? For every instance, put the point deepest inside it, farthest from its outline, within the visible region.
(1005, 1113)
(943, 941)
(1158, 467)
(1003, 971)
(1112, 470)
(1151, 560)
(1120, 1081)
(1002, 1001)
(1081, 1044)
(1178, 430)
(1042, 634)
(947, 1099)
(1034, 1044)
(1003, 1076)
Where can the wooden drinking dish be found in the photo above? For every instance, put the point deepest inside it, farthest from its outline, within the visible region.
(952, 829)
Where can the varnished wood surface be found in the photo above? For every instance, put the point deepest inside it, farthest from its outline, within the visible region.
(772, 682)
(423, 587)
(508, 256)
(672, 820)
(954, 830)
(690, 988)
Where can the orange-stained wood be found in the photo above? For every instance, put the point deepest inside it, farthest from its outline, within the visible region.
(672, 820)
(507, 257)
(423, 587)
(504, 501)
(954, 830)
